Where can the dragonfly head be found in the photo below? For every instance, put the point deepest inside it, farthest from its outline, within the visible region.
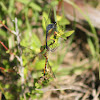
(51, 27)
(54, 25)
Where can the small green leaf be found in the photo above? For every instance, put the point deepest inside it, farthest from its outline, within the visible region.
(62, 20)
(37, 85)
(45, 20)
(3, 7)
(35, 7)
(8, 51)
(67, 34)
(3, 21)
(24, 1)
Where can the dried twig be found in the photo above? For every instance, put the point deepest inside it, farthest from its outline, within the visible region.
(21, 68)
(8, 49)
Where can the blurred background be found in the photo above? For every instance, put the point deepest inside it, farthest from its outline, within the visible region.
(75, 62)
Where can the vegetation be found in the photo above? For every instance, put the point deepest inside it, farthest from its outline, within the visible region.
(73, 55)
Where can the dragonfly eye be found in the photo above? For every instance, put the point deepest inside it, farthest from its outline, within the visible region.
(54, 26)
(55, 23)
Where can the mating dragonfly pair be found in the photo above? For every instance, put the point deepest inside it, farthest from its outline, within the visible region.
(51, 28)
(41, 59)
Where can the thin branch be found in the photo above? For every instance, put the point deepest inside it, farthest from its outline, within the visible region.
(4, 46)
(7, 28)
(9, 52)
(8, 70)
(85, 30)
